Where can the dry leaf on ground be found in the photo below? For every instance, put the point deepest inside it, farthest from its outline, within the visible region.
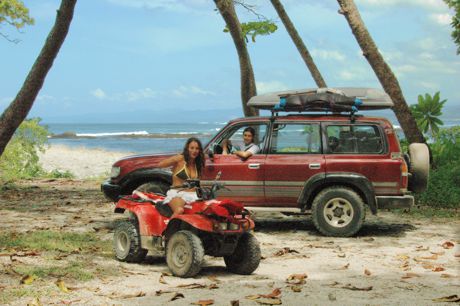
(160, 292)
(268, 301)
(61, 285)
(432, 257)
(176, 296)
(296, 288)
(296, 279)
(235, 303)
(285, 251)
(367, 272)
(27, 279)
(351, 287)
(410, 275)
(204, 302)
(451, 298)
(438, 269)
(162, 279)
(448, 245)
(421, 248)
(192, 286)
(344, 267)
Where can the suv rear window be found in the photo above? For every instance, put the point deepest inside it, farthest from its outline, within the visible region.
(364, 139)
(295, 138)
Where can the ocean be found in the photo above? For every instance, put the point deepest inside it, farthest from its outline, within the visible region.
(135, 138)
(140, 138)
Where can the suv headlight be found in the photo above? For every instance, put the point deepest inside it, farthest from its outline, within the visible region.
(115, 172)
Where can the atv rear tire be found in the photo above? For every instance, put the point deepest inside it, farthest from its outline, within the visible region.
(338, 211)
(419, 166)
(184, 254)
(127, 242)
(246, 257)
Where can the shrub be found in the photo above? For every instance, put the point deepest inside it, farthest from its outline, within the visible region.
(20, 158)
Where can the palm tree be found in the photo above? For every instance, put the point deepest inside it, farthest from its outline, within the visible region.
(383, 71)
(18, 109)
(248, 83)
(299, 43)
(427, 113)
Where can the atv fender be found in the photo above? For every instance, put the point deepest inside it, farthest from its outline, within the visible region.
(197, 221)
(151, 223)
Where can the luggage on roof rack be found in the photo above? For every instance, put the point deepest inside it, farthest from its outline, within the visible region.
(342, 99)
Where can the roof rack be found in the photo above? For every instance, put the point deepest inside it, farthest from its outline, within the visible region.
(341, 99)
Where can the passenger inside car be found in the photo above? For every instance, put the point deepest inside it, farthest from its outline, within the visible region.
(244, 149)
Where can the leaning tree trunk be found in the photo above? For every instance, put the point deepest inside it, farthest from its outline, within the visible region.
(248, 83)
(383, 71)
(17, 111)
(299, 43)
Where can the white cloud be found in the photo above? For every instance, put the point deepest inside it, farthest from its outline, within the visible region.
(99, 93)
(170, 5)
(185, 91)
(427, 4)
(442, 19)
(429, 85)
(328, 54)
(264, 87)
(140, 94)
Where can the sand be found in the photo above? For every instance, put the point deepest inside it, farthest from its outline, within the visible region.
(81, 162)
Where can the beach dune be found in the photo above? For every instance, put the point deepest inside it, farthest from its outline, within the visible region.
(81, 162)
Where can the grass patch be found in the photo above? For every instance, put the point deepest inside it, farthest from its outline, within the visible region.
(11, 294)
(430, 212)
(74, 270)
(56, 241)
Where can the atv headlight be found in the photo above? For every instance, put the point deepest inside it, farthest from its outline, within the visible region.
(223, 226)
(233, 226)
(115, 172)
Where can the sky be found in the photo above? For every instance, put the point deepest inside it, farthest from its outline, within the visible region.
(170, 61)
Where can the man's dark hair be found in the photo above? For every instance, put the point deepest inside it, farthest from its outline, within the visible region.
(250, 130)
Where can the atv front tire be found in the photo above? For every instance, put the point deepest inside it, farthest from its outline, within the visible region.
(184, 254)
(246, 257)
(127, 242)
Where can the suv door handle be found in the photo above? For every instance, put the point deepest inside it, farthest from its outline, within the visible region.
(314, 166)
(254, 166)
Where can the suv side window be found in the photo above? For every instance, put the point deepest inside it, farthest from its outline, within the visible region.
(295, 138)
(364, 139)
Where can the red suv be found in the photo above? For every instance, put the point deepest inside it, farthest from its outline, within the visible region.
(326, 159)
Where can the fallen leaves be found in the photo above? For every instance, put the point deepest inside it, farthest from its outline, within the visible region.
(176, 296)
(27, 279)
(267, 299)
(284, 251)
(61, 285)
(410, 275)
(451, 298)
(448, 245)
(354, 288)
(296, 279)
(204, 302)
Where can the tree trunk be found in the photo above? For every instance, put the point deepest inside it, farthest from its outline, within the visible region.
(299, 43)
(17, 111)
(383, 71)
(248, 83)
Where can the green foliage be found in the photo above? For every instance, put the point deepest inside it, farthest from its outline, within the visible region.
(455, 5)
(427, 113)
(254, 28)
(60, 174)
(446, 149)
(443, 187)
(20, 158)
(16, 14)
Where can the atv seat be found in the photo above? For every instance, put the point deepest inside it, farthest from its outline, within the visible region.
(164, 209)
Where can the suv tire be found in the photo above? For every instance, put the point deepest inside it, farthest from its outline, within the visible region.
(127, 242)
(338, 211)
(419, 166)
(153, 187)
(184, 254)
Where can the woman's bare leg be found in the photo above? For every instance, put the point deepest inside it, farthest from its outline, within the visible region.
(177, 206)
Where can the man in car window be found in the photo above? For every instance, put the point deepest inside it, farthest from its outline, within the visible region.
(245, 149)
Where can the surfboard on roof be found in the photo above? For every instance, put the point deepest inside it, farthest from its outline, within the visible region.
(323, 99)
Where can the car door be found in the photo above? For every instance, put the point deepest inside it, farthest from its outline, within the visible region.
(243, 179)
(294, 155)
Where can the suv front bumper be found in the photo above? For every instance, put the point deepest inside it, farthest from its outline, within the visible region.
(390, 202)
(111, 191)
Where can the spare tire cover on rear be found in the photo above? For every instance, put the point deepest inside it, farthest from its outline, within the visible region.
(419, 166)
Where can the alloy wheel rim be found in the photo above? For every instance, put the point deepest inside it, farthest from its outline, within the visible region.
(338, 212)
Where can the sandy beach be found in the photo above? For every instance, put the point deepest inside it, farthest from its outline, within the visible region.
(80, 161)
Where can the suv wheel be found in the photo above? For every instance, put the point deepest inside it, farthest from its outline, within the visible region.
(154, 187)
(338, 211)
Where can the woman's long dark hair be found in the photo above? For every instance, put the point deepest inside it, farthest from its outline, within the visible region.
(200, 160)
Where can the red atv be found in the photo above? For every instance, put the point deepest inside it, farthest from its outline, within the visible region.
(207, 227)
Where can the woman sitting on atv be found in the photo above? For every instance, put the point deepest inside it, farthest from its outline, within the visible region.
(187, 165)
